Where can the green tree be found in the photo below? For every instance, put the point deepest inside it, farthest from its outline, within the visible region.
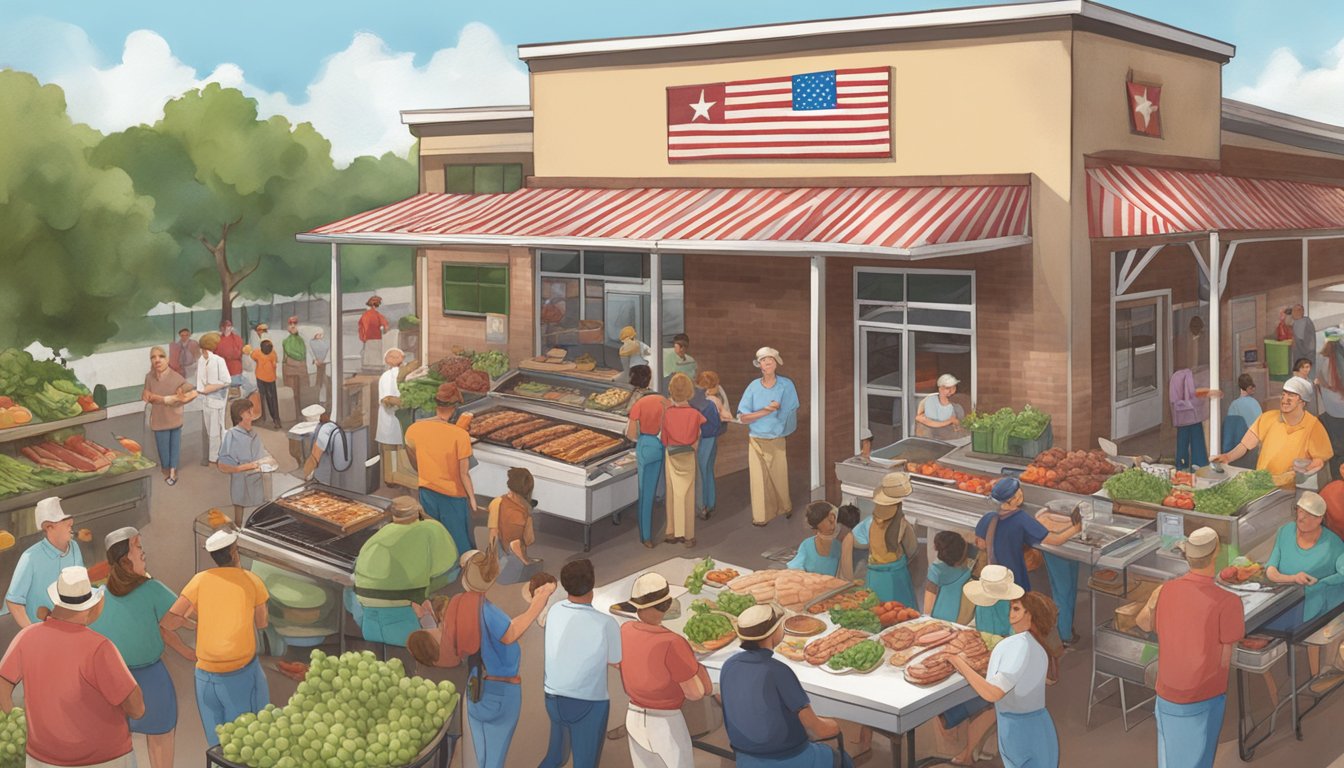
(233, 190)
(78, 250)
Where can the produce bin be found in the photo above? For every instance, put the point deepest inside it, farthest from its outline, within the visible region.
(1030, 449)
(982, 441)
(1278, 359)
(999, 441)
(437, 754)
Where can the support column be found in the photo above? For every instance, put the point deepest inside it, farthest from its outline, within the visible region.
(1306, 279)
(337, 347)
(422, 305)
(1215, 340)
(536, 302)
(656, 318)
(817, 385)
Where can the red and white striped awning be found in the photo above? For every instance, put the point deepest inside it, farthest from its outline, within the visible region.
(914, 222)
(1132, 201)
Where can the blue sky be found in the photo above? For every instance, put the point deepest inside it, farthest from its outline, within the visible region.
(281, 42)
(279, 50)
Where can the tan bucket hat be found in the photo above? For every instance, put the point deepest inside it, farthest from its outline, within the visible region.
(995, 584)
(479, 570)
(895, 486)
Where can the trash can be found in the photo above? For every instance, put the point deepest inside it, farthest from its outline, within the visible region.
(1278, 359)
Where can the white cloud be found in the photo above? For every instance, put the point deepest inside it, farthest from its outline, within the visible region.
(354, 100)
(1288, 85)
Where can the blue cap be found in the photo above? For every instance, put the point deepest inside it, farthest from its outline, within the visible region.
(1004, 489)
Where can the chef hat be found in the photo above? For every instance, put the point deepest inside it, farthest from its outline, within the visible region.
(220, 540)
(313, 412)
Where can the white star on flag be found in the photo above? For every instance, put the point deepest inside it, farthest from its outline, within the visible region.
(702, 107)
(1142, 106)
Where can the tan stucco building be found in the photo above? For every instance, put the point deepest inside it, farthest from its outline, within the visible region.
(1032, 97)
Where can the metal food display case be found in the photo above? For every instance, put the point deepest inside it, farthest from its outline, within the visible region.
(101, 504)
(314, 563)
(583, 491)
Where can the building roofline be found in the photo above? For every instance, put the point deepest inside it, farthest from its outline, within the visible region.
(1261, 122)
(953, 17)
(465, 114)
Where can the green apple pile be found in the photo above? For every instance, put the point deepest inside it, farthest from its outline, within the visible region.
(13, 738)
(349, 710)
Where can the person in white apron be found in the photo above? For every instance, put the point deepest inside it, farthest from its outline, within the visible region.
(388, 433)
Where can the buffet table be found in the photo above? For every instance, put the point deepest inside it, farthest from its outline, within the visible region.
(881, 699)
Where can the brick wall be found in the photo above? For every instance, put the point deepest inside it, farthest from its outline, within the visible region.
(447, 331)
(735, 305)
(1009, 372)
(1269, 271)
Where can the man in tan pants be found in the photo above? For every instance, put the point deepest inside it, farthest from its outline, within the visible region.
(769, 408)
(681, 436)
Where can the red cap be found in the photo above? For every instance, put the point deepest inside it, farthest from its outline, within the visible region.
(293, 319)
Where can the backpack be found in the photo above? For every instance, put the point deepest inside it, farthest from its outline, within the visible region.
(713, 426)
(338, 447)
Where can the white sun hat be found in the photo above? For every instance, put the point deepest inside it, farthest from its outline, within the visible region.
(72, 590)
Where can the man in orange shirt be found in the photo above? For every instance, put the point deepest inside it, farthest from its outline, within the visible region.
(266, 359)
(440, 452)
(372, 325)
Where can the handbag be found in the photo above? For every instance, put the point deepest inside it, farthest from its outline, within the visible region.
(1035, 560)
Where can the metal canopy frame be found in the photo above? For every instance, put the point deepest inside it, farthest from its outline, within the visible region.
(1215, 269)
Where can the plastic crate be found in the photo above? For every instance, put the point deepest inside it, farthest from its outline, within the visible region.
(1029, 449)
(1000, 438)
(437, 754)
(982, 441)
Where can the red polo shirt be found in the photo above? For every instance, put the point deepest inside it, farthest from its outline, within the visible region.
(231, 349)
(1194, 619)
(74, 682)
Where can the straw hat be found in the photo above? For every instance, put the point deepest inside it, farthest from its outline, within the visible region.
(895, 486)
(759, 622)
(649, 590)
(1200, 543)
(995, 584)
(72, 590)
(628, 333)
(765, 352)
(404, 507)
(479, 570)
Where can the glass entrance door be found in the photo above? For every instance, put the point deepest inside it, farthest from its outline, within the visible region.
(884, 370)
(1139, 364)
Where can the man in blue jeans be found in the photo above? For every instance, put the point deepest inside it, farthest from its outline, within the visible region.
(1198, 624)
(581, 642)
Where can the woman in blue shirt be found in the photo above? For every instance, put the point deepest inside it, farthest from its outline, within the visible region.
(766, 713)
(769, 408)
(819, 553)
(1307, 553)
(890, 541)
(133, 608)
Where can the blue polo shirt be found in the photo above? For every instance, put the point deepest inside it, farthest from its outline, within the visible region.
(37, 569)
(1013, 534)
(761, 701)
(782, 422)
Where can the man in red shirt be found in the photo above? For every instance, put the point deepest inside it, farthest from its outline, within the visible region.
(372, 325)
(1198, 624)
(231, 349)
(659, 673)
(78, 691)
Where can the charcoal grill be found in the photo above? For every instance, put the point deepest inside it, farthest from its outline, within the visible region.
(273, 523)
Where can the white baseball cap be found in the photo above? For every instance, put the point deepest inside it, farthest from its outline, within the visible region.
(221, 540)
(1200, 543)
(1312, 503)
(1298, 386)
(73, 591)
(49, 510)
(948, 380)
(765, 352)
(120, 535)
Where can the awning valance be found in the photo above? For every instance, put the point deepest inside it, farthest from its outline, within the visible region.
(912, 222)
(1134, 201)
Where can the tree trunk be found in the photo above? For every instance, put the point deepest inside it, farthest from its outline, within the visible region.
(228, 278)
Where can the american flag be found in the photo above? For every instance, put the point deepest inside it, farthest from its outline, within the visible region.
(840, 113)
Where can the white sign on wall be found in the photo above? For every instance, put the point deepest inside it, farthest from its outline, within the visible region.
(496, 329)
